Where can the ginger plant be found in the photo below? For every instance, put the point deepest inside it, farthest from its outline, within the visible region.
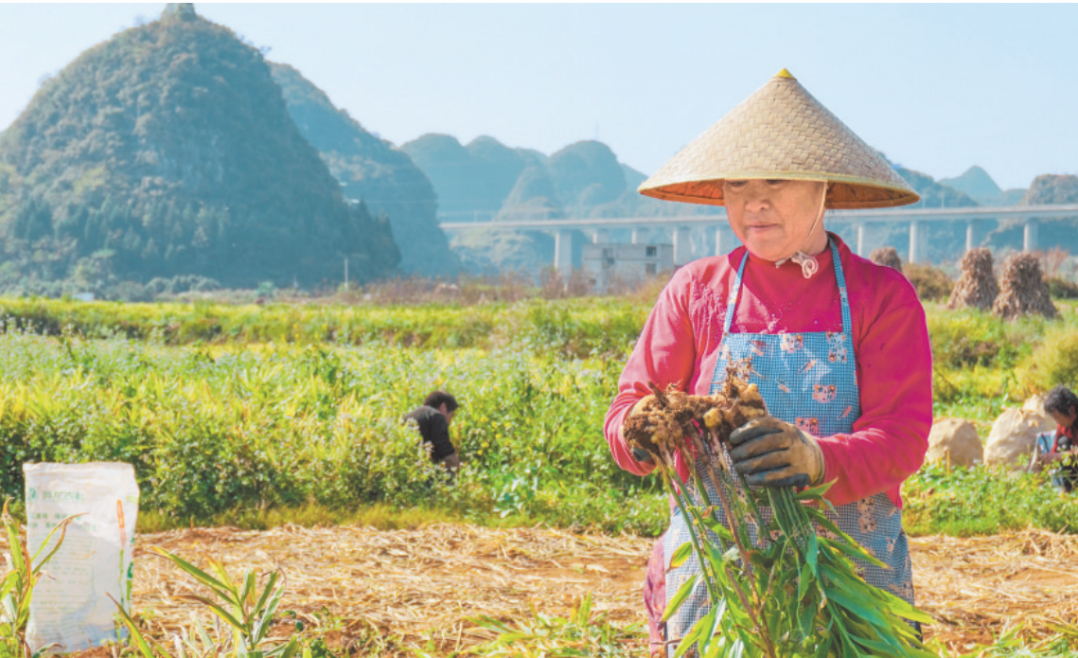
(245, 609)
(787, 593)
(17, 587)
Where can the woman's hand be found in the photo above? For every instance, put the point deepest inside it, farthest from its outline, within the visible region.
(773, 453)
(640, 454)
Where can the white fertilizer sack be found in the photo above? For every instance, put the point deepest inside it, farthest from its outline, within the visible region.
(71, 609)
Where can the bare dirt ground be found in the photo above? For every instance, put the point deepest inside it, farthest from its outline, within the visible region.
(423, 586)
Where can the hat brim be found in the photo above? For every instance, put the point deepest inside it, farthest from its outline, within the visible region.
(847, 192)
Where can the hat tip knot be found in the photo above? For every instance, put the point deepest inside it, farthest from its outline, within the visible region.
(785, 74)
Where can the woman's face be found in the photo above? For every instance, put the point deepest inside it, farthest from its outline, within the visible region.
(1064, 420)
(773, 217)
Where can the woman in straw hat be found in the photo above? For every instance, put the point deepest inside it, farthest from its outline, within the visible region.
(837, 345)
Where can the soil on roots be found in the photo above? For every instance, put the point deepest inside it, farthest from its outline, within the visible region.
(665, 421)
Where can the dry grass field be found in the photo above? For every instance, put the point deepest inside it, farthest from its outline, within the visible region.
(394, 591)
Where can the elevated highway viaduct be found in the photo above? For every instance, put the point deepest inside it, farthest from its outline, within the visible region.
(725, 241)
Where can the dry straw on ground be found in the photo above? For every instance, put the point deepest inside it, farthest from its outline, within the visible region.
(425, 584)
(1023, 290)
(978, 588)
(421, 585)
(977, 287)
(886, 256)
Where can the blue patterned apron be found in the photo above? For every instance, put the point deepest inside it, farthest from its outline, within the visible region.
(809, 380)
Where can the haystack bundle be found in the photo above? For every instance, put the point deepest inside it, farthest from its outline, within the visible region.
(977, 287)
(886, 256)
(1023, 290)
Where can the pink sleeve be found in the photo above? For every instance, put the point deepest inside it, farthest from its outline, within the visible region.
(664, 354)
(894, 372)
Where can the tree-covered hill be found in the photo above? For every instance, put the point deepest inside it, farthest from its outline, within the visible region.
(168, 151)
(369, 168)
(471, 180)
(934, 194)
(487, 180)
(586, 174)
(1052, 189)
(981, 188)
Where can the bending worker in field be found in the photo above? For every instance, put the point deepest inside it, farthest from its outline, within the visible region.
(433, 419)
(1059, 449)
(837, 345)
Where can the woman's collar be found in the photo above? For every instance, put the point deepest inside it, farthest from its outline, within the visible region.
(824, 259)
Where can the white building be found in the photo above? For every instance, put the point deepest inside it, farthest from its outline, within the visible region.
(606, 264)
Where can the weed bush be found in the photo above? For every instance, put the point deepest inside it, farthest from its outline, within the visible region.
(983, 501)
(1053, 362)
(931, 283)
(1060, 288)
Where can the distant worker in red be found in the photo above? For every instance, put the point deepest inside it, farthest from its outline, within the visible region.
(1059, 450)
(837, 345)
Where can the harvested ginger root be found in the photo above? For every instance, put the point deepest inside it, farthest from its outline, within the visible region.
(666, 418)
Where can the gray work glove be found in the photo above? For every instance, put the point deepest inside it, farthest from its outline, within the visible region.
(639, 454)
(773, 453)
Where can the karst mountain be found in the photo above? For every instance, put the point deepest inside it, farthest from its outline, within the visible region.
(167, 151)
(371, 170)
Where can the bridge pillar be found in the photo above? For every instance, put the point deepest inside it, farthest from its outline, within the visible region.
(725, 240)
(861, 239)
(600, 236)
(682, 246)
(1029, 235)
(915, 241)
(971, 235)
(563, 251)
(636, 236)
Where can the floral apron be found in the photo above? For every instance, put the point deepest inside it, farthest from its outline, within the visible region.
(809, 380)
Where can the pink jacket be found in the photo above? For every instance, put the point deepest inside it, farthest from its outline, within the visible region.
(680, 345)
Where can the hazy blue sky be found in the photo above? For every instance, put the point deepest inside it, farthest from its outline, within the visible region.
(936, 87)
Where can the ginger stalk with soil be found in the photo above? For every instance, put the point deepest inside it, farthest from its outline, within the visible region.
(799, 594)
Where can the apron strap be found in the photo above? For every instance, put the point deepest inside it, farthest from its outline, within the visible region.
(847, 318)
(731, 306)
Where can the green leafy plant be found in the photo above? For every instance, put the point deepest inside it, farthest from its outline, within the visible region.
(983, 501)
(17, 587)
(1060, 645)
(579, 634)
(787, 594)
(247, 611)
(1053, 362)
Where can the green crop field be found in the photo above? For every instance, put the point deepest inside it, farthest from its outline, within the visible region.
(258, 415)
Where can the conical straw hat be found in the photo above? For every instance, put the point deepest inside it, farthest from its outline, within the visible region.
(781, 131)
